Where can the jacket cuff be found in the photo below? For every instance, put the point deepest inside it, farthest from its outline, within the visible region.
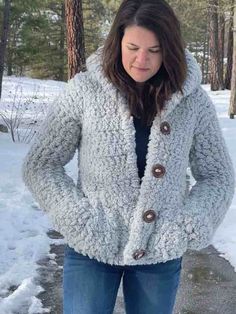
(199, 230)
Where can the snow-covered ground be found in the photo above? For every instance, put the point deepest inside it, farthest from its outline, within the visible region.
(23, 227)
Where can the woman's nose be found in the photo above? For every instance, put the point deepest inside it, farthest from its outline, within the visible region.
(141, 57)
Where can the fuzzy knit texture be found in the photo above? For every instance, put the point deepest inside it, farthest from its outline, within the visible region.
(102, 215)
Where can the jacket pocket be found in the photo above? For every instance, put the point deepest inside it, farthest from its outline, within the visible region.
(169, 238)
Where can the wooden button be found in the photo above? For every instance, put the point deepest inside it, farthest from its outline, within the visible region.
(138, 254)
(149, 216)
(158, 171)
(165, 128)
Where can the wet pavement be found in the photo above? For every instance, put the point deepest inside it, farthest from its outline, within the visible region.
(207, 285)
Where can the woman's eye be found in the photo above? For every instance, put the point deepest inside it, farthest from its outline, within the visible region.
(135, 49)
(155, 51)
(132, 48)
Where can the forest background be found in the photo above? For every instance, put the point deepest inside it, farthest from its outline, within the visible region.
(37, 45)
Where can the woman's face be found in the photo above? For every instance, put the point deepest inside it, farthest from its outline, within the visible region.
(141, 53)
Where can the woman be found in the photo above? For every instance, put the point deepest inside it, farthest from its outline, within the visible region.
(138, 118)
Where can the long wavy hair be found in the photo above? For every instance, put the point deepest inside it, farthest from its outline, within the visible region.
(156, 16)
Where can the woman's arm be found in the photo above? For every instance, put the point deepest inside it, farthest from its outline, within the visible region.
(43, 167)
(212, 168)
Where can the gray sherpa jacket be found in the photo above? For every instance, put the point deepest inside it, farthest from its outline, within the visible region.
(106, 215)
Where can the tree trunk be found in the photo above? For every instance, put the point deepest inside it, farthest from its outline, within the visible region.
(9, 63)
(213, 41)
(62, 44)
(75, 37)
(221, 49)
(232, 107)
(230, 51)
(4, 35)
(205, 56)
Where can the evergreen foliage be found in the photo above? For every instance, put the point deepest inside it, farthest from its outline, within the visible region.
(34, 43)
(37, 39)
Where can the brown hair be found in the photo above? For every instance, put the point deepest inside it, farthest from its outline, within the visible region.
(158, 17)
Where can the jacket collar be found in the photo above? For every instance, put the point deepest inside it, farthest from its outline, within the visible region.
(193, 80)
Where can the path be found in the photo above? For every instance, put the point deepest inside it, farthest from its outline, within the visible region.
(208, 284)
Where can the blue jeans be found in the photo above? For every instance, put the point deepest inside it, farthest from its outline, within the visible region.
(91, 287)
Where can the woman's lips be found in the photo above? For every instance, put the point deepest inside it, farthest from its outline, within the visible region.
(141, 69)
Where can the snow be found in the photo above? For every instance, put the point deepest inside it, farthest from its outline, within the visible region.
(23, 227)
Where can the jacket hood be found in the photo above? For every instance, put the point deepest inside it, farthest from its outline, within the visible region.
(192, 81)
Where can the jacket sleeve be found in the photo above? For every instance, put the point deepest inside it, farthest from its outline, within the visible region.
(211, 167)
(43, 167)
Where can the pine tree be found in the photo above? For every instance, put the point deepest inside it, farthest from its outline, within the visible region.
(214, 42)
(75, 37)
(4, 36)
(94, 15)
(232, 107)
(37, 44)
(228, 74)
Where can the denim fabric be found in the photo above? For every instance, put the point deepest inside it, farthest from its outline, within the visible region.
(91, 287)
